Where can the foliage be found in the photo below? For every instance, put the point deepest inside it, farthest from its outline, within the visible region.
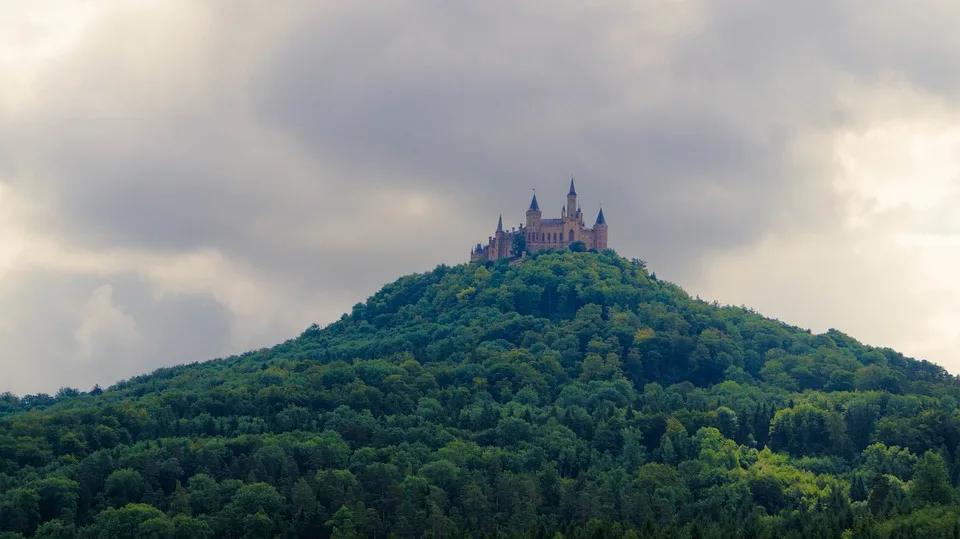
(519, 246)
(572, 394)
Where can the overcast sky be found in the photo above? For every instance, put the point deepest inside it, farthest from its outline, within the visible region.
(182, 180)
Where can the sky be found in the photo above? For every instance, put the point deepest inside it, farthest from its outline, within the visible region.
(185, 180)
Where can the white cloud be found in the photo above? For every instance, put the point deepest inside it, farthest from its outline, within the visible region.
(104, 328)
(888, 275)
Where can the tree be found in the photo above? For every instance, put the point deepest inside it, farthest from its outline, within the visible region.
(55, 529)
(126, 521)
(304, 506)
(186, 527)
(20, 510)
(930, 483)
(258, 497)
(157, 528)
(860, 418)
(597, 367)
(58, 498)
(634, 453)
(858, 489)
(336, 488)
(807, 430)
(727, 422)
(257, 526)
(343, 524)
(124, 487)
(179, 501)
(519, 244)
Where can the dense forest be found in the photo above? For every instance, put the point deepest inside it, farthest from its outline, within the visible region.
(572, 395)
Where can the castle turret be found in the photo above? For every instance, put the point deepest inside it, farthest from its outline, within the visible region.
(572, 201)
(600, 231)
(534, 214)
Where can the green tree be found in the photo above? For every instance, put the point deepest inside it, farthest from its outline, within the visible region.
(805, 429)
(634, 453)
(257, 526)
(187, 527)
(58, 498)
(125, 522)
(860, 418)
(179, 501)
(930, 483)
(204, 494)
(124, 487)
(727, 422)
(56, 529)
(336, 488)
(157, 528)
(343, 525)
(257, 498)
(304, 506)
(597, 367)
(20, 510)
(519, 244)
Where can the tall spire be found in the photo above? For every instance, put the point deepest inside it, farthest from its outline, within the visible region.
(533, 203)
(573, 190)
(600, 219)
(500, 224)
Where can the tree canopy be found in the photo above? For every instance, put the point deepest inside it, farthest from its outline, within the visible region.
(573, 394)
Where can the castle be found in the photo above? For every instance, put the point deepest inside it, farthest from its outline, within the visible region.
(541, 234)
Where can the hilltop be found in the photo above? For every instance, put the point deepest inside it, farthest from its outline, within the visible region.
(575, 393)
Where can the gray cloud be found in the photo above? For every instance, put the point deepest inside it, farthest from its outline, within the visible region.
(474, 102)
(78, 331)
(322, 149)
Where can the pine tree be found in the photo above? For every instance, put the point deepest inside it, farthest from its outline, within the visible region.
(179, 501)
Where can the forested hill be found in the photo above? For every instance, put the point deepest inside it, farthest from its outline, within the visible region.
(572, 394)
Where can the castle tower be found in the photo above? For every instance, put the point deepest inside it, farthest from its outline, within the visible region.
(534, 214)
(499, 239)
(572, 201)
(600, 231)
(571, 228)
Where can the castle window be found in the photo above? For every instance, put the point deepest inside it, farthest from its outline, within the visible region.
(571, 236)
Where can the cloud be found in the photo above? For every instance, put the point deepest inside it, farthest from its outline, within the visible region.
(196, 179)
(104, 330)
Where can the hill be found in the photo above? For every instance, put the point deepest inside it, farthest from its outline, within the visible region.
(575, 393)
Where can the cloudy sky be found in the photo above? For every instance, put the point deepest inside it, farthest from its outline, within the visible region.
(181, 180)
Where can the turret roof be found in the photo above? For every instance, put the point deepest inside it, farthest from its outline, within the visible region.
(533, 203)
(500, 224)
(573, 190)
(600, 218)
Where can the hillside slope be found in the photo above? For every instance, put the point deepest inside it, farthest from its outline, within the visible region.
(574, 393)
